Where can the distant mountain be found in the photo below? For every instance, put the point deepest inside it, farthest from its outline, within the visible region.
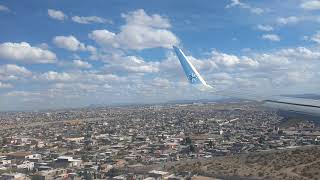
(224, 100)
(305, 96)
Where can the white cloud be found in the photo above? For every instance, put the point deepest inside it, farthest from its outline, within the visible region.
(5, 85)
(43, 46)
(161, 82)
(237, 3)
(140, 18)
(316, 37)
(71, 43)
(24, 52)
(234, 3)
(107, 86)
(284, 67)
(22, 94)
(4, 8)
(104, 38)
(310, 5)
(297, 19)
(225, 59)
(219, 60)
(299, 53)
(76, 87)
(140, 37)
(55, 76)
(103, 78)
(289, 20)
(78, 77)
(141, 31)
(81, 64)
(271, 37)
(14, 69)
(13, 72)
(128, 64)
(264, 27)
(90, 19)
(56, 14)
(248, 62)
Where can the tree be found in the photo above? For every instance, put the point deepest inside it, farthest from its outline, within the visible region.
(210, 144)
(191, 148)
(188, 140)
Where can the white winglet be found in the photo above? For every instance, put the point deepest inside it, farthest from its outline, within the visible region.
(192, 74)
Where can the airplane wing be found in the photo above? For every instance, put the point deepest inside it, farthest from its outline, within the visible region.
(293, 104)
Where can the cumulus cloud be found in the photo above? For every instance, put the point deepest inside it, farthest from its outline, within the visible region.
(81, 64)
(141, 31)
(284, 67)
(289, 20)
(43, 46)
(78, 77)
(161, 82)
(90, 19)
(71, 43)
(237, 3)
(68, 42)
(14, 69)
(264, 27)
(301, 53)
(24, 52)
(297, 19)
(10, 72)
(271, 37)
(140, 18)
(5, 85)
(4, 8)
(76, 87)
(310, 5)
(56, 76)
(56, 14)
(22, 94)
(225, 59)
(128, 64)
(316, 37)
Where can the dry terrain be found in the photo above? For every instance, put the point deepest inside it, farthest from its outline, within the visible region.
(299, 163)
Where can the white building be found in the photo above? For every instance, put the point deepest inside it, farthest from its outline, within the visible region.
(67, 161)
(13, 176)
(27, 165)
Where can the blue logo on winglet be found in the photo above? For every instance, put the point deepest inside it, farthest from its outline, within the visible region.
(192, 78)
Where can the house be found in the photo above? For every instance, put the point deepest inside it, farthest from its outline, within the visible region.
(13, 176)
(26, 165)
(34, 157)
(19, 155)
(49, 174)
(4, 161)
(158, 175)
(67, 161)
(121, 177)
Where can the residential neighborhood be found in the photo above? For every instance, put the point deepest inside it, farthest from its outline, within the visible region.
(139, 142)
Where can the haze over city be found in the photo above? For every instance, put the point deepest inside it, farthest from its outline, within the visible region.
(57, 54)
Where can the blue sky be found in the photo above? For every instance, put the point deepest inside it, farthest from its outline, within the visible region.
(56, 54)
